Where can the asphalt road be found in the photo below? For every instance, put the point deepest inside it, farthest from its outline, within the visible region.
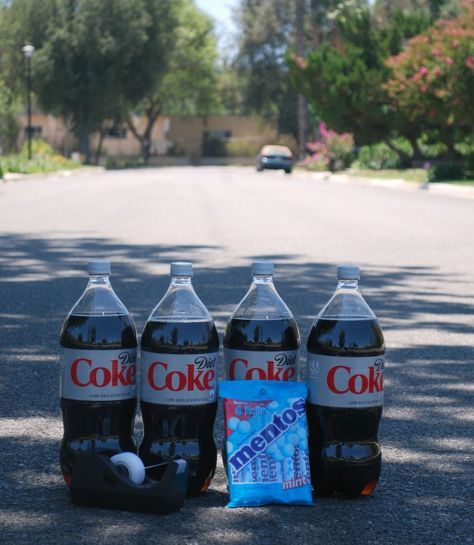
(416, 252)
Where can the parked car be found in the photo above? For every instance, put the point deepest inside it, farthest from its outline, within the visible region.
(275, 158)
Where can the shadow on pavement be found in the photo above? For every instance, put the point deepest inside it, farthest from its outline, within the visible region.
(424, 491)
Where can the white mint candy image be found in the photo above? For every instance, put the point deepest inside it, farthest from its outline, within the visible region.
(288, 450)
(292, 438)
(303, 444)
(233, 422)
(244, 426)
(302, 433)
(278, 456)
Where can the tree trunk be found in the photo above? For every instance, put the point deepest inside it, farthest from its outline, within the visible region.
(146, 141)
(417, 153)
(98, 150)
(301, 104)
(404, 157)
(84, 144)
(152, 114)
(453, 154)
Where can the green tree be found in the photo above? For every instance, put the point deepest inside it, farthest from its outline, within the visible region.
(186, 83)
(21, 21)
(343, 78)
(230, 88)
(266, 29)
(9, 124)
(91, 55)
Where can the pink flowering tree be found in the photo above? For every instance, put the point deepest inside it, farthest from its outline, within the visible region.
(432, 80)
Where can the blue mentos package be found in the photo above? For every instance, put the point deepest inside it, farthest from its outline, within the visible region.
(266, 442)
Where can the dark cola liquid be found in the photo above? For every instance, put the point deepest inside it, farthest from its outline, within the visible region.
(345, 455)
(102, 426)
(262, 335)
(180, 431)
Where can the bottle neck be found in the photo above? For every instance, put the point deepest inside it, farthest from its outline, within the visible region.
(99, 280)
(347, 284)
(181, 281)
(180, 303)
(263, 279)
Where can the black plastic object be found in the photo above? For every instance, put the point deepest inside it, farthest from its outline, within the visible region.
(98, 482)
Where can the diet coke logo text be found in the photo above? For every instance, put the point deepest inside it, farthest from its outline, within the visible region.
(179, 378)
(345, 382)
(103, 375)
(121, 372)
(199, 375)
(278, 366)
(356, 383)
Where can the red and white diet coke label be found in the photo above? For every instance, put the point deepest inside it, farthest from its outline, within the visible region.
(344, 381)
(247, 365)
(179, 379)
(98, 375)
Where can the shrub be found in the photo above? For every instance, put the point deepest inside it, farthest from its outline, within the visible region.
(380, 156)
(1, 172)
(316, 162)
(377, 157)
(334, 151)
(117, 163)
(446, 172)
(243, 147)
(469, 166)
(44, 159)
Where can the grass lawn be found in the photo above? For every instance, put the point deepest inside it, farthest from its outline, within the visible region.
(410, 175)
(418, 175)
(461, 182)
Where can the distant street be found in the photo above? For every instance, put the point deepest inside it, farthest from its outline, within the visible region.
(416, 253)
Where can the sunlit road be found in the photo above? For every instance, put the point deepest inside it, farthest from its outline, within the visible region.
(416, 253)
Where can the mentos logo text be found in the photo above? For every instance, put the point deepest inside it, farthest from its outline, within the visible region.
(345, 382)
(244, 365)
(263, 438)
(178, 378)
(103, 375)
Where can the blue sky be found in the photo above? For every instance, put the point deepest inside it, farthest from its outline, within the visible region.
(221, 10)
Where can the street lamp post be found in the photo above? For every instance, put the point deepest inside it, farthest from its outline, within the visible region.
(28, 51)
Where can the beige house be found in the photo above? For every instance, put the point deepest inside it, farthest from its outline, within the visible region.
(171, 134)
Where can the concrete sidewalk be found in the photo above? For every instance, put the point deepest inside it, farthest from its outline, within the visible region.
(455, 190)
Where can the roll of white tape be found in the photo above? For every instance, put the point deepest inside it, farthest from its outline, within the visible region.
(132, 464)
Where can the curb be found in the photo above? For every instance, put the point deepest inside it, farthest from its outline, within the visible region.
(16, 176)
(439, 188)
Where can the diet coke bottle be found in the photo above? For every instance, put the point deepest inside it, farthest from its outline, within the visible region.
(180, 349)
(345, 382)
(98, 373)
(262, 340)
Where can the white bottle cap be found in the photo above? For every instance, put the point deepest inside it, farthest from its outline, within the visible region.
(262, 267)
(181, 268)
(99, 266)
(348, 272)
